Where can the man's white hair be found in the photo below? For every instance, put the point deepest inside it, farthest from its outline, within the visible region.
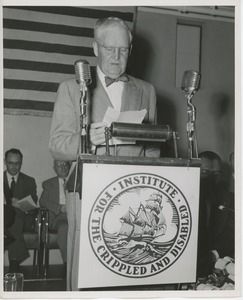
(110, 22)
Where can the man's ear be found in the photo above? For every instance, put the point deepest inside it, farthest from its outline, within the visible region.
(95, 47)
(130, 51)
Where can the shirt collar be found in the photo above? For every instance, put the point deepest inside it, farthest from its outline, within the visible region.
(9, 176)
(62, 179)
(101, 76)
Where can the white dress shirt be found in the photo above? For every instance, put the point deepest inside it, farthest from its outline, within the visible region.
(9, 177)
(62, 196)
(114, 91)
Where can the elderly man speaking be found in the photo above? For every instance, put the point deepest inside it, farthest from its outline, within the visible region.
(111, 88)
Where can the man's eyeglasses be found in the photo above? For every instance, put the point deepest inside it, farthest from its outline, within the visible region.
(210, 173)
(14, 164)
(62, 164)
(111, 50)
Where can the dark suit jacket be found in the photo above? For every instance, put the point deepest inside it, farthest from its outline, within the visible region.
(224, 223)
(50, 200)
(50, 195)
(65, 128)
(9, 215)
(14, 217)
(24, 187)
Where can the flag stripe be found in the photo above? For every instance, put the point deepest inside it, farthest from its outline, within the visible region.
(33, 105)
(47, 47)
(78, 11)
(29, 75)
(43, 57)
(37, 66)
(45, 18)
(43, 37)
(30, 85)
(38, 76)
(29, 95)
(50, 28)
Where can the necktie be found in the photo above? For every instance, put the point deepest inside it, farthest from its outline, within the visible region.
(12, 186)
(62, 199)
(123, 77)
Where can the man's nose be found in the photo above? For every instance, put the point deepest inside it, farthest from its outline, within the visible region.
(116, 54)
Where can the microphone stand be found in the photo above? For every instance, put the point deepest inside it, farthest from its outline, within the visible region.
(83, 118)
(191, 127)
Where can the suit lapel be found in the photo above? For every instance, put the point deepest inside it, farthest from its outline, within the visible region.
(19, 186)
(132, 97)
(100, 101)
(18, 190)
(55, 190)
(6, 189)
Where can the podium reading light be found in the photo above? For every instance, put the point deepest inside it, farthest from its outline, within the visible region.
(142, 132)
(190, 85)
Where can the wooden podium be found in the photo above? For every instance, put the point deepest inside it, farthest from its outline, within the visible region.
(138, 224)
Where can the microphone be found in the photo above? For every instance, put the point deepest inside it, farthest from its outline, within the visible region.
(190, 82)
(83, 78)
(82, 72)
(190, 85)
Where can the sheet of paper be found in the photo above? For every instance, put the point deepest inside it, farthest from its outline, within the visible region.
(27, 204)
(113, 115)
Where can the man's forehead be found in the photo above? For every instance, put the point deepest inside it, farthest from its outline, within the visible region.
(211, 164)
(114, 33)
(206, 162)
(14, 157)
(216, 164)
(61, 163)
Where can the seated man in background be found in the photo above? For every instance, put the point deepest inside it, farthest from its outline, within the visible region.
(9, 216)
(231, 185)
(53, 198)
(210, 181)
(224, 217)
(16, 187)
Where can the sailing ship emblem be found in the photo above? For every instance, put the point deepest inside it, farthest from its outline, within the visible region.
(149, 221)
(136, 229)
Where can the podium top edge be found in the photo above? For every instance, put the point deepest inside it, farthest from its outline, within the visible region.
(154, 161)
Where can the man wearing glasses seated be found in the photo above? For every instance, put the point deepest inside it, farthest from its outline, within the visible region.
(53, 198)
(17, 186)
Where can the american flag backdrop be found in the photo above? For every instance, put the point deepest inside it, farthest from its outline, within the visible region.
(40, 46)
